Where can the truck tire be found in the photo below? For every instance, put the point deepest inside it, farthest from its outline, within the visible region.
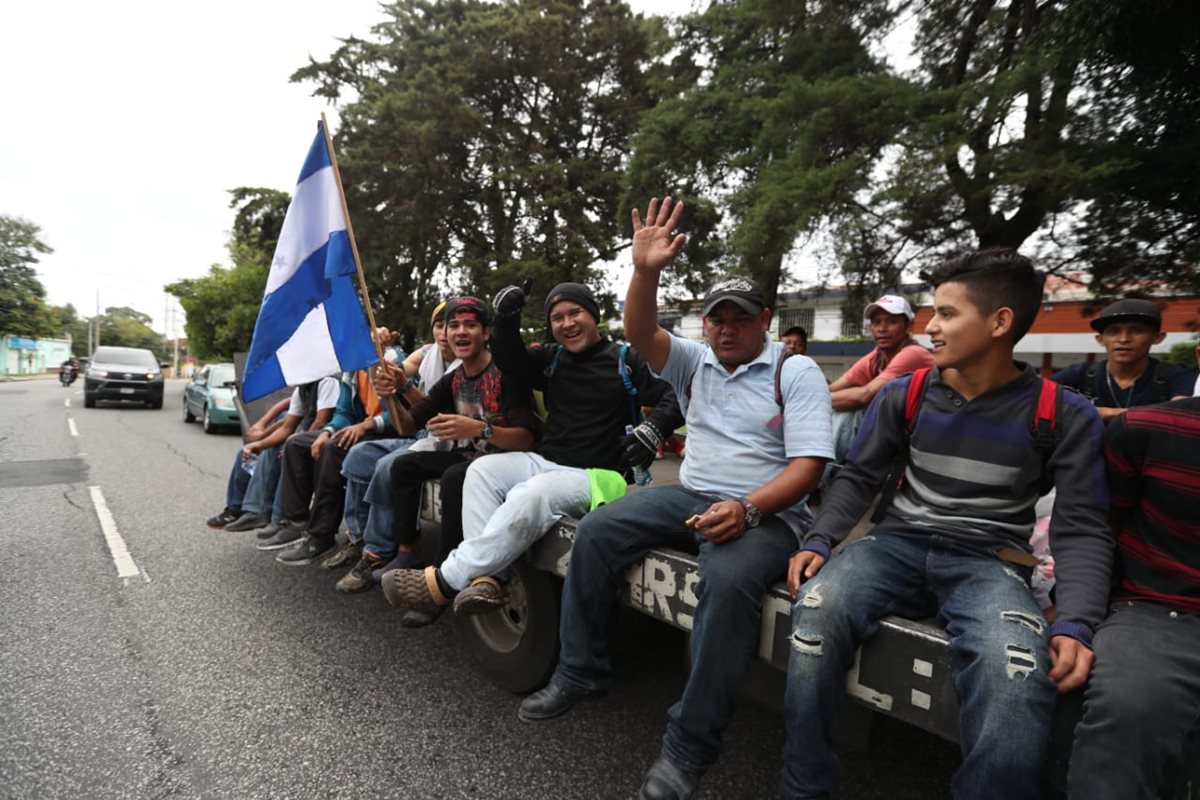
(516, 647)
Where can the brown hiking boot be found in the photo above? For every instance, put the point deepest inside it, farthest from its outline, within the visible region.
(358, 579)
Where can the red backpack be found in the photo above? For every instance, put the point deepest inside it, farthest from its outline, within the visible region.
(1043, 424)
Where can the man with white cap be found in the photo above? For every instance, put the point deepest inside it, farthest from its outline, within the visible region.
(895, 354)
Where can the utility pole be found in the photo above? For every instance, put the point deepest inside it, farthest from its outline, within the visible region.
(97, 319)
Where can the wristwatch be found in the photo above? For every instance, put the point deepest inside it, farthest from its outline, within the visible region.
(753, 515)
(487, 431)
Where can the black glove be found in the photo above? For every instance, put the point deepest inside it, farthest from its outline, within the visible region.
(510, 300)
(641, 446)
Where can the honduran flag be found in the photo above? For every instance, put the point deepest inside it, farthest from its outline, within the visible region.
(311, 323)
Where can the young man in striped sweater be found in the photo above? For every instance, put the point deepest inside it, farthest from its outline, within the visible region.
(954, 542)
(1143, 700)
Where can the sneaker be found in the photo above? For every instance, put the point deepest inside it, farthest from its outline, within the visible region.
(403, 560)
(270, 530)
(346, 553)
(414, 590)
(307, 551)
(358, 579)
(246, 522)
(419, 618)
(224, 518)
(483, 595)
(288, 534)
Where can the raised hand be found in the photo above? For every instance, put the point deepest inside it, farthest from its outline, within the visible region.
(654, 243)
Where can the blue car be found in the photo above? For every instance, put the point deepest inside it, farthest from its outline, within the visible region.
(209, 396)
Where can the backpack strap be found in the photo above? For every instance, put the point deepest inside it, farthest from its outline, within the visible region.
(777, 420)
(635, 409)
(912, 405)
(1044, 426)
(1091, 380)
(1161, 392)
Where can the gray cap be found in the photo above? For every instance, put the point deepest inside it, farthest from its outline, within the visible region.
(1129, 310)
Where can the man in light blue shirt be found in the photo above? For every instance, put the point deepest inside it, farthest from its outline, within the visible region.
(758, 438)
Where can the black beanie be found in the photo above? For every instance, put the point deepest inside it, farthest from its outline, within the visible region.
(576, 293)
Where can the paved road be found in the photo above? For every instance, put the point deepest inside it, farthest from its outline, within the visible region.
(213, 672)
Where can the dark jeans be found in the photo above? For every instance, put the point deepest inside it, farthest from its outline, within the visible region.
(406, 476)
(725, 630)
(320, 482)
(235, 488)
(1000, 664)
(1141, 704)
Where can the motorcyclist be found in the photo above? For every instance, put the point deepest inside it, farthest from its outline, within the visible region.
(69, 371)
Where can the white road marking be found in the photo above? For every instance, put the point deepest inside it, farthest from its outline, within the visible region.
(67, 402)
(116, 545)
(71, 426)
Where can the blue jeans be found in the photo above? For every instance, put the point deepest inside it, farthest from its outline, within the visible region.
(260, 494)
(381, 513)
(235, 487)
(1000, 658)
(725, 629)
(358, 469)
(1141, 704)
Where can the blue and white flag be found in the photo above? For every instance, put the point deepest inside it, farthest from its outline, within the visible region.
(311, 323)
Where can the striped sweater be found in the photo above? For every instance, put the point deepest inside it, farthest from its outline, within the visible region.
(1153, 455)
(973, 476)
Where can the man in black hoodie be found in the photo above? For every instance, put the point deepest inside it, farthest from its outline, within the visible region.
(592, 388)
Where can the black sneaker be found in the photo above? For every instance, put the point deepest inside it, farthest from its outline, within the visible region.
(344, 555)
(358, 579)
(306, 552)
(269, 531)
(246, 522)
(288, 534)
(224, 518)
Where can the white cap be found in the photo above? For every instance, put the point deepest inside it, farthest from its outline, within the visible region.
(892, 304)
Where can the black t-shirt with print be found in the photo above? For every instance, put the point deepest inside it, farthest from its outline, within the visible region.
(490, 396)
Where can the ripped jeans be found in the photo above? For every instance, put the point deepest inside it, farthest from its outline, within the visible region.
(1000, 662)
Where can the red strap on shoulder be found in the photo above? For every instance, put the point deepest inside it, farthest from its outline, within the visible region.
(912, 401)
(1047, 404)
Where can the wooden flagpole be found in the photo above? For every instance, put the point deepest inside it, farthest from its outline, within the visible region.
(362, 281)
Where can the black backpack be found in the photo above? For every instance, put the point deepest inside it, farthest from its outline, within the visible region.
(1097, 371)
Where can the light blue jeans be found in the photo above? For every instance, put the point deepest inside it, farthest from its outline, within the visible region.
(510, 500)
(1000, 661)
(359, 470)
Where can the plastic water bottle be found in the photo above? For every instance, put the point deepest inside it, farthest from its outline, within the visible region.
(250, 463)
(641, 475)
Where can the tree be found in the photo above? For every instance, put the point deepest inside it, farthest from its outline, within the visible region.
(486, 143)
(1142, 226)
(222, 307)
(23, 308)
(121, 326)
(1065, 128)
(777, 114)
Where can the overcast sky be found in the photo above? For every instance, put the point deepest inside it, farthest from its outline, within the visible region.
(127, 123)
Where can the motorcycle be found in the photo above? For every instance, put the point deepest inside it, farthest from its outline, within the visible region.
(67, 375)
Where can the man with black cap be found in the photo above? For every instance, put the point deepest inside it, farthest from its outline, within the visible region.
(592, 388)
(758, 438)
(1130, 376)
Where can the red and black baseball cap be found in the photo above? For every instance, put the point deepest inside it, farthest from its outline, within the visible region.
(469, 307)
